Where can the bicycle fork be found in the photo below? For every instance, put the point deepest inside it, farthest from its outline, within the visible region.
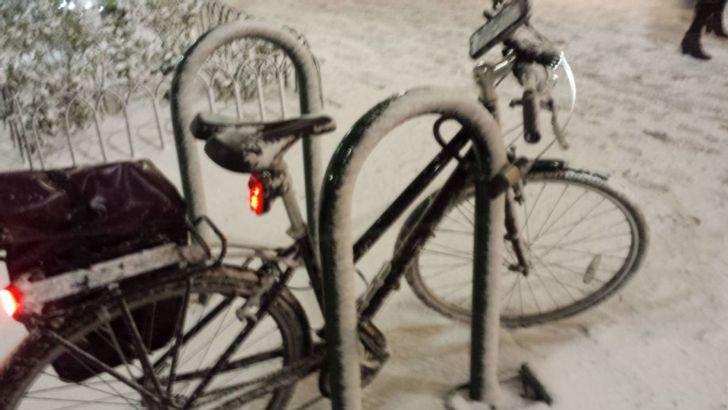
(513, 234)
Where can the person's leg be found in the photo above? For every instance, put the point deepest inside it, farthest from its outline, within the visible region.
(715, 24)
(691, 42)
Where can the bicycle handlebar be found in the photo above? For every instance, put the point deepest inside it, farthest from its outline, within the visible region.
(527, 49)
(529, 46)
(531, 51)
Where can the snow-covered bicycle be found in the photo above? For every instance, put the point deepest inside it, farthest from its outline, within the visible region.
(169, 323)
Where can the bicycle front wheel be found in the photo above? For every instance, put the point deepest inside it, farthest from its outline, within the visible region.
(584, 239)
(57, 365)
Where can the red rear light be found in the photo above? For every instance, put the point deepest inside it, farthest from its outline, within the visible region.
(256, 198)
(10, 301)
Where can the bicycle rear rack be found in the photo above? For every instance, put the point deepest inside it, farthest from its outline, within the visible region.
(35, 294)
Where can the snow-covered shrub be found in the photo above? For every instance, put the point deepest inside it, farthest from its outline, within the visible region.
(53, 50)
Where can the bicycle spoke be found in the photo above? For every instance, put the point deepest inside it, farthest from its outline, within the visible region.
(86, 385)
(589, 239)
(546, 288)
(178, 338)
(533, 207)
(101, 366)
(224, 323)
(551, 212)
(465, 216)
(563, 285)
(115, 341)
(579, 274)
(450, 285)
(566, 211)
(454, 251)
(250, 326)
(520, 295)
(151, 320)
(447, 265)
(285, 376)
(510, 293)
(535, 299)
(582, 251)
(552, 229)
(466, 226)
(234, 365)
(200, 325)
(76, 402)
(569, 231)
(465, 256)
(116, 393)
(459, 289)
(141, 350)
(446, 270)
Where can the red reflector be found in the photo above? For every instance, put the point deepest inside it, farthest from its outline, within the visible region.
(256, 198)
(10, 301)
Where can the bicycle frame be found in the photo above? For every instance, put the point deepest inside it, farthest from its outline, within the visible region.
(387, 280)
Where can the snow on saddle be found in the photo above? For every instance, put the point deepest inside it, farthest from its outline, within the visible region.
(254, 146)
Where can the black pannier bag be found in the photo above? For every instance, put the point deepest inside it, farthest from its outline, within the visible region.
(61, 220)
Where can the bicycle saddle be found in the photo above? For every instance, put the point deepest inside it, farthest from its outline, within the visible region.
(254, 146)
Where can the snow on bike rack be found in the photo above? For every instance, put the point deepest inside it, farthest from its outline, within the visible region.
(336, 237)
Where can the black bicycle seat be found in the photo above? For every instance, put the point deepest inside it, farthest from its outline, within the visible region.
(244, 147)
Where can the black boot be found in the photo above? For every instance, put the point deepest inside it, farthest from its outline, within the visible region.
(691, 46)
(715, 26)
(714, 23)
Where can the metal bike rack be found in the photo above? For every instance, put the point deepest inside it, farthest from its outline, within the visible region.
(183, 85)
(336, 238)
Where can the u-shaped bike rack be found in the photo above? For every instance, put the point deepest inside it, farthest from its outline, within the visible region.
(334, 224)
(183, 89)
(335, 235)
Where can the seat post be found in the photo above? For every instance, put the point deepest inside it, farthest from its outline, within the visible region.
(298, 227)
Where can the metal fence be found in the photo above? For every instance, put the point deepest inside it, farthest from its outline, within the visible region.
(247, 79)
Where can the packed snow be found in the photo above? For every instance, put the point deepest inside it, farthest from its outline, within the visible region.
(651, 118)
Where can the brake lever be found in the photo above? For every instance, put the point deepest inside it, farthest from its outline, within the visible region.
(559, 133)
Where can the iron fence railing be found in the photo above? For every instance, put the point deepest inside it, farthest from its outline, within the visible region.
(248, 79)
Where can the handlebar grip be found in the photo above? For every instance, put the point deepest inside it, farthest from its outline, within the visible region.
(531, 107)
(529, 77)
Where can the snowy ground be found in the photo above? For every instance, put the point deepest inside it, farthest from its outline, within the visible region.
(651, 118)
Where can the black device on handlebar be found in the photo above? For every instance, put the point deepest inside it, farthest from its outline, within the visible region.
(531, 52)
(499, 27)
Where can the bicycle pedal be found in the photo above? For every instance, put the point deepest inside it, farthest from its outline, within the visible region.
(533, 389)
(369, 367)
(373, 355)
(373, 340)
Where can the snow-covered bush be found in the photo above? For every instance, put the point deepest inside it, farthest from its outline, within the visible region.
(52, 50)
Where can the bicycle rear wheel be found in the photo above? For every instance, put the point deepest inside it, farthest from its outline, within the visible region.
(585, 241)
(30, 381)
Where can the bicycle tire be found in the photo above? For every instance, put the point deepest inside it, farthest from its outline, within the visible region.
(568, 178)
(27, 379)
